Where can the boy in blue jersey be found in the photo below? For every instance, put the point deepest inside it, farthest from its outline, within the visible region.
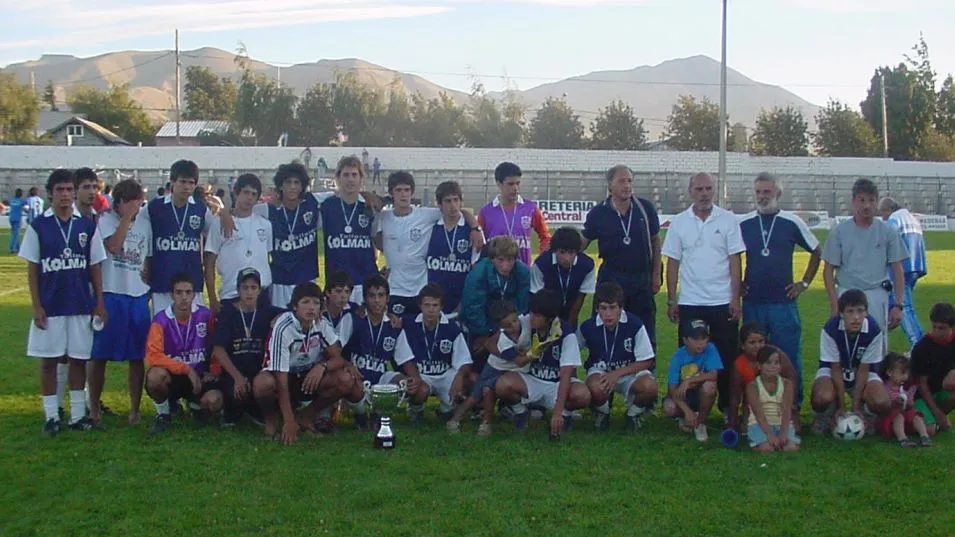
(15, 207)
(179, 225)
(691, 379)
(63, 252)
(371, 349)
(440, 351)
(850, 351)
(621, 358)
(566, 268)
(550, 381)
(450, 255)
(241, 330)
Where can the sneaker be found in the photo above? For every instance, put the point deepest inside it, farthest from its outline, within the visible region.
(681, 423)
(537, 414)
(106, 411)
(227, 423)
(416, 416)
(84, 424)
(160, 424)
(634, 423)
(907, 443)
(477, 414)
(925, 441)
(601, 420)
(453, 426)
(484, 430)
(324, 425)
(700, 433)
(257, 420)
(51, 427)
(822, 423)
(521, 420)
(361, 421)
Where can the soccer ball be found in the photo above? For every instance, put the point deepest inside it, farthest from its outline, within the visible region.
(849, 427)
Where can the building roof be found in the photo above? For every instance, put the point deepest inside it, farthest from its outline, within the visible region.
(191, 129)
(50, 119)
(98, 129)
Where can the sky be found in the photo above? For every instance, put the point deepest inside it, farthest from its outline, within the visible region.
(818, 49)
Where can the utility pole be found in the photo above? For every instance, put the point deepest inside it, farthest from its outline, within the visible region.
(722, 185)
(33, 82)
(278, 70)
(885, 123)
(178, 88)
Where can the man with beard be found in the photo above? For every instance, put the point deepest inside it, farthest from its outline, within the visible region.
(769, 293)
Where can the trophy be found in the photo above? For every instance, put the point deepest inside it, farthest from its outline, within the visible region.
(384, 400)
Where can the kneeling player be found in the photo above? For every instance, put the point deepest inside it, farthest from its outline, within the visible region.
(550, 381)
(303, 366)
(850, 351)
(621, 358)
(242, 329)
(176, 357)
(440, 351)
(692, 380)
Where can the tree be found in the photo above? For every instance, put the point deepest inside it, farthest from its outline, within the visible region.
(910, 103)
(116, 110)
(780, 132)
(937, 147)
(314, 119)
(358, 111)
(437, 122)
(738, 140)
(264, 111)
(207, 95)
(842, 132)
(617, 127)
(694, 125)
(945, 114)
(556, 126)
(49, 96)
(19, 111)
(396, 125)
(491, 123)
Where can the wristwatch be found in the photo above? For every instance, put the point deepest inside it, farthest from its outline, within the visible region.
(804, 284)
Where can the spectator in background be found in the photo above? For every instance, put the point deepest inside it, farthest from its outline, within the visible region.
(34, 206)
(16, 205)
(376, 167)
(910, 230)
(108, 193)
(101, 203)
(159, 193)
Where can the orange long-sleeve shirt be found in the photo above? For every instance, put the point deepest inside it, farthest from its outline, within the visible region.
(156, 354)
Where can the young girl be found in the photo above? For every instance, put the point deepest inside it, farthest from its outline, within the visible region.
(903, 418)
(770, 398)
(752, 338)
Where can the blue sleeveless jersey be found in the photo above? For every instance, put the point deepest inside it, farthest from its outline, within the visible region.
(177, 242)
(442, 269)
(351, 251)
(295, 252)
(64, 281)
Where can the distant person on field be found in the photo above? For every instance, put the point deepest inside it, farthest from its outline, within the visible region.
(509, 214)
(903, 418)
(691, 379)
(376, 168)
(850, 352)
(34, 208)
(933, 366)
(769, 292)
(567, 269)
(15, 214)
(856, 255)
(770, 399)
(913, 267)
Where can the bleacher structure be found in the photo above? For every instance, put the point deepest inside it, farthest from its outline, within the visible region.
(810, 183)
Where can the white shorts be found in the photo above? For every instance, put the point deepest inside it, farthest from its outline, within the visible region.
(441, 387)
(70, 335)
(357, 295)
(541, 392)
(162, 301)
(825, 372)
(624, 383)
(281, 295)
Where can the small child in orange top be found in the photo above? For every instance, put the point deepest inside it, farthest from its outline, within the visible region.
(903, 418)
(752, 338)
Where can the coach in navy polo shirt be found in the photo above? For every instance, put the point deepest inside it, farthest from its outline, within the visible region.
(769, 293)
(627, 230)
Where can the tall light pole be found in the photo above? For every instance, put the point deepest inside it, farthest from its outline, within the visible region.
(720, 196)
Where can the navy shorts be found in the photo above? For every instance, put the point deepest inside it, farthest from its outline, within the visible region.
(487, 379)
(180, 387)
(127, 327)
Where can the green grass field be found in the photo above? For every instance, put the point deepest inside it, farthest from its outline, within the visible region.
(204, 481)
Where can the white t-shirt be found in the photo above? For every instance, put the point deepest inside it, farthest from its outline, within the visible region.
(703, 249)
(252, 235)
(291, 350)
(505, 343)
(122, 272)
(405, 244)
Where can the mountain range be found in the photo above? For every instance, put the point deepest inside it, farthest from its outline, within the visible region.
(650, 90)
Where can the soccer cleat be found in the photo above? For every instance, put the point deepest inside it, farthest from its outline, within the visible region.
(106, 411)
(453, 426)
(361, 421)
(521, 420)
(484, 430)
(700, 433)
(601, 420)
(537, 414)
(925, 441)
(84, 424)
(160, 424)
(51, 427)
(907, 443)
(227, 423)
(324, 425)
(634, 423)
(477, 414)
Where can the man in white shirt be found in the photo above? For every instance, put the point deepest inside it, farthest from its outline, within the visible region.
(703, 248)
(403, 234)
(128, 242)
(248, 246)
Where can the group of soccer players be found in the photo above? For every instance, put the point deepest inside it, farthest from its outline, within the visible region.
(460, 311)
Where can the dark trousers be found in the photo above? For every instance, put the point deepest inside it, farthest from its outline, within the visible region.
(724, 334)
